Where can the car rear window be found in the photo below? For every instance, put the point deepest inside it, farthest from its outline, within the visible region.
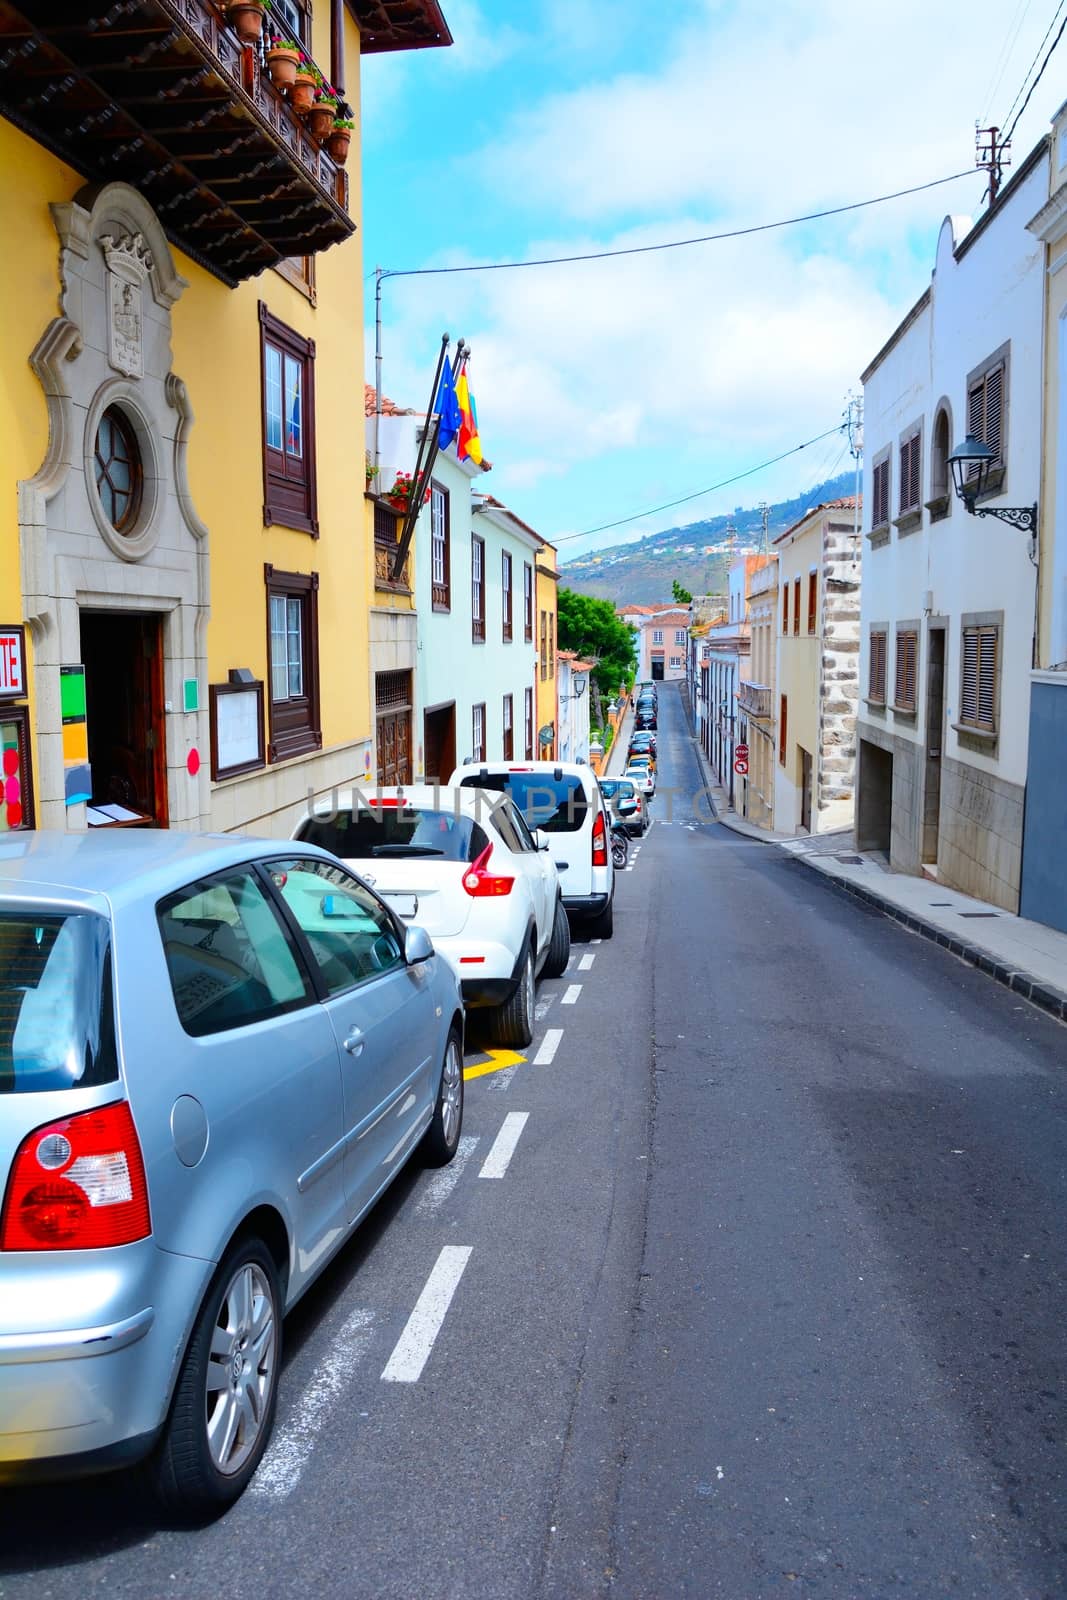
(409, 831)
(556, 805)
(57, 1010)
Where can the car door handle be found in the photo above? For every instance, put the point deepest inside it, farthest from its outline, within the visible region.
(354, 1042)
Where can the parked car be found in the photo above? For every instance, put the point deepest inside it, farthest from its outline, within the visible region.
(641, 752)
(643, 741)
(626, 804)
(563, 800)
(645, 719)
(643, 778)
(215, 1053)
(464, 865)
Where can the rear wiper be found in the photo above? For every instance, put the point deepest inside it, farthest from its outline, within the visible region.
(405, 850)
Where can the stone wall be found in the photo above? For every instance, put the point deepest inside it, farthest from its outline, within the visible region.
(981, 834)
(839, 676)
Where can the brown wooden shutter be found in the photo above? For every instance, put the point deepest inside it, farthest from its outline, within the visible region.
(978, 692)
(783, 721)
(876, 675)
(994, 412)
(880, 494)
(907, 653)
(785, 609)
(913, 472)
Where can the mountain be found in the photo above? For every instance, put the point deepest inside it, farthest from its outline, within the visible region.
(696, 554)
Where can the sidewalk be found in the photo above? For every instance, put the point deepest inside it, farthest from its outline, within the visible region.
(1027, 957)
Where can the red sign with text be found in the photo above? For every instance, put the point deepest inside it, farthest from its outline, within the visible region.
(12, 663)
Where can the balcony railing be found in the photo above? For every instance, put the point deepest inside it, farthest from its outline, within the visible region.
(161, 94)
(754, 699)
(386, 526)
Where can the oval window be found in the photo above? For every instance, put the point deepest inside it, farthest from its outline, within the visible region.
(118, 470)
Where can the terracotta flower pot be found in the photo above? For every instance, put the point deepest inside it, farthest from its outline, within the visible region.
(302, 92)
(320, 119)
(337, 145)
(282, 64)
(246, 19)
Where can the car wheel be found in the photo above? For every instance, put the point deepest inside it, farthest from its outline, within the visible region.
(441, 1140)
(603, 926)
(559, 951)
(223, 1408)
(513, 1022)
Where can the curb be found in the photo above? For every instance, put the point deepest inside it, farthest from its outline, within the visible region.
(1039, 993)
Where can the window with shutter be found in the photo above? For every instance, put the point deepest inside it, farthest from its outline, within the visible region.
(440, 555)
(910, 474)
(880, 494)
(985, 413)
(876, 672)
(477, 588)
(785, 608)
(796, 605)
(783, 719)
(813, 589)
(978, 689)
(906, 670)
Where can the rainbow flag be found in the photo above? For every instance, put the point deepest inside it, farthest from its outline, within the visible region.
(469, 442)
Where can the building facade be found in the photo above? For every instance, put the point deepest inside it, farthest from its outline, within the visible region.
(817, 684)
(948, 599)
(1044, 862)
(574, 683)
(663, 644)
(756, 696)
(187, 584)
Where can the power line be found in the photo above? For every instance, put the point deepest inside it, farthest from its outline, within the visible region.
(1044, 64)
(696, 495)
(671, 244)
(1014, 29)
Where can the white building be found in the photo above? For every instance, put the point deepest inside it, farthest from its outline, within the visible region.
(573, 721)
(947, 611)
(470, 637)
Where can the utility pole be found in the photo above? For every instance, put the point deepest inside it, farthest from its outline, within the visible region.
(765, 516)
(854, 424)
(991, 154)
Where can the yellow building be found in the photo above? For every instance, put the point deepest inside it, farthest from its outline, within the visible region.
(181, 536)
(817, 667)
(546, 685)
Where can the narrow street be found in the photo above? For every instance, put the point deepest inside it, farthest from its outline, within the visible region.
(757, 1288)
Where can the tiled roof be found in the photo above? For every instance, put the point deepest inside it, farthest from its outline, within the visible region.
(389, 407)
(847, 503)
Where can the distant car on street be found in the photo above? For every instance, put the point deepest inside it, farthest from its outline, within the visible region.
(642, 777)
(626, 803)
(215, 1054)
(463, 865)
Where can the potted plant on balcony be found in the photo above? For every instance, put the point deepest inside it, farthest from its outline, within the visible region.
(399, 496)
(320, 116)
(246, 19)
(372, 473)
(283, 58)
(305, 86)
(340, 137)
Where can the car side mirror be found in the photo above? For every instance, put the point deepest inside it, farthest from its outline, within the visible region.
(418, 946)
(541, 839)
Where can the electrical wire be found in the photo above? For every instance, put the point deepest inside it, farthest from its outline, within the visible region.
(697, 493)
(1014, 28)
(671, 244)
(1030, 69)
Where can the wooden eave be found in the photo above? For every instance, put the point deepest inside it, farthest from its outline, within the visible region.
(162, 95)
(399, 25)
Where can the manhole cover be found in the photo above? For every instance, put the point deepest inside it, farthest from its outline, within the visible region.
(850, 861)
(979, 913)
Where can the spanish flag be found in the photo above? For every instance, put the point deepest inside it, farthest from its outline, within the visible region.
(469, 442)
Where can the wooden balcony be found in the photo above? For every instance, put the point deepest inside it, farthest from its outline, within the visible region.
(387, 523)
(754, 699)
(160, 94)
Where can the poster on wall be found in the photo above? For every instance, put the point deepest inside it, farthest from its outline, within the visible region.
(236, 728)
(77, 777)
(16, 786)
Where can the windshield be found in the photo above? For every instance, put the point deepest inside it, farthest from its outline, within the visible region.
(359, 834)
(555, 805)
(57, 1015)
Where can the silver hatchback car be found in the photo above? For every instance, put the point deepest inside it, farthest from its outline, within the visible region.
(215, 1053)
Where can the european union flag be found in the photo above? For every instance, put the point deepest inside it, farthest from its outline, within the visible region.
(447, 407)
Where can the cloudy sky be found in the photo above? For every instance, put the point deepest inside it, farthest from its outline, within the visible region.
(569, 127)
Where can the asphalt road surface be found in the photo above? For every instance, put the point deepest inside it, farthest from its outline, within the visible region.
(748, 1281)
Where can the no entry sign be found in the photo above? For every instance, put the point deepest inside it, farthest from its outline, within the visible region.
(741, 766)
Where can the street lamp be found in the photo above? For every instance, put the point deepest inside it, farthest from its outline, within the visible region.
(971, 462)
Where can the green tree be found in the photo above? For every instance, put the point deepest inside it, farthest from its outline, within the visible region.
(594, 629)
(683, 597)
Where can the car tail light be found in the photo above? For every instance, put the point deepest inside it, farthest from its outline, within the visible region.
(600, 841)
(77, 1184)
(480, 883)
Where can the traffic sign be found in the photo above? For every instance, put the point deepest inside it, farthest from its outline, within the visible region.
(742, 752)
(741, 766)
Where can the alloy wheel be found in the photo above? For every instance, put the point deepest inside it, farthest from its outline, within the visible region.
(240, 1370)
(451, 1092)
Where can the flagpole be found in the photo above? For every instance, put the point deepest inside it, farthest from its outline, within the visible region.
(424, 462)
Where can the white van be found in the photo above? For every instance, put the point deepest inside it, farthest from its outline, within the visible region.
(563, 799)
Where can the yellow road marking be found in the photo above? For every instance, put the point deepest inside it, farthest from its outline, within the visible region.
(498, 1059)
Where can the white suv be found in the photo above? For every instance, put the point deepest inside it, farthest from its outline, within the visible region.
(561, 799)
(463, 865)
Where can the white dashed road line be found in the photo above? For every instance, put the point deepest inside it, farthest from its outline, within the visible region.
(571, 997)
(442, 1183)
(496, 1162)
(549, 1046)
(289, 1450)
(586, 962)
(413, 1348)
